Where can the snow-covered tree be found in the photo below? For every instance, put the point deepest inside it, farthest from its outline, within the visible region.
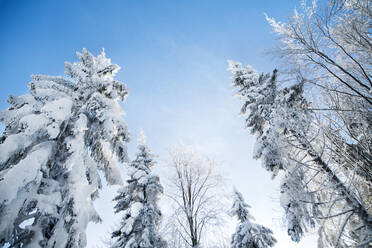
(195, 190)
(260, 100)
(258, 93)
(56, 140)
(297, 200)
(248, 234)
(328, 44)
(290, 139)
(138, 201)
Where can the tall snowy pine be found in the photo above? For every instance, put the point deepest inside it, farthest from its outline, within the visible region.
(56, 140)
(138, 200)
(248, 234)
(288, 140)
(258, 93)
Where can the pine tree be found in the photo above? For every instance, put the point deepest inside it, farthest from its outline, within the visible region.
(56, 139)
(248, 234)
(138, 200)
(288, 139)
(258, 93)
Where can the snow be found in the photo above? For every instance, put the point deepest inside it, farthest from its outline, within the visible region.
(27, 223)
(7, 116)
(25, 172)
(112, 172)
(135, 209)
(248, 234)
(33, 123)
(36, 176)
(48, 203)
(128, 226)
(284, 200)
(59, 110)
(138, 202)
(142, 138)
(12, 145)
(143, 180)
(137, 174)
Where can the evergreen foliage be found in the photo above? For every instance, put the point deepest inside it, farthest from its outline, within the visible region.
(56, 140)
(138, 200)
(248, 234)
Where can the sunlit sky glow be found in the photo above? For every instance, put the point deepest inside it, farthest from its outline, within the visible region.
(173, 57)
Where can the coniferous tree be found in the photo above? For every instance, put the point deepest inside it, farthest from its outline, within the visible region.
(56, 139)
(248, 234)
(258, 93)
(287, 139)
(138, 200)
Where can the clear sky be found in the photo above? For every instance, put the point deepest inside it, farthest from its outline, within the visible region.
(173, 57)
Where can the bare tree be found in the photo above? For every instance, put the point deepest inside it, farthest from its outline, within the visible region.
(331, 45)
(170, 231)
(195, 190)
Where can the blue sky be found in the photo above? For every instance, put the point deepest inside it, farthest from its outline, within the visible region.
(173, 57)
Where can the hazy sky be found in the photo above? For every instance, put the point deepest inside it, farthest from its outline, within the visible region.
(173, 57)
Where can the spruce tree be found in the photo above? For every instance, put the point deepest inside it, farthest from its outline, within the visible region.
(248, 234)
(272, 114)
(258, 92)
(289, 139)
(138, 201)
(56, 140)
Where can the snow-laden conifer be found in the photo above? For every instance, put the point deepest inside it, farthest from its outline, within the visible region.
(138, 201)
(288, 139)
(56, 140)
(248, 234)
(271, 114)
(258, 93)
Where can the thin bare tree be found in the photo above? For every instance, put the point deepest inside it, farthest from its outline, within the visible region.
(195, 191)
